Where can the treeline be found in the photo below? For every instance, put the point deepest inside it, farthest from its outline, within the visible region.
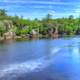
(46, 26)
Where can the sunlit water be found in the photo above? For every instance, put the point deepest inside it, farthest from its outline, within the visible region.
(45, 59)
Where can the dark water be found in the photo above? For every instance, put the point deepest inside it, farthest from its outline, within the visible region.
(45, 59)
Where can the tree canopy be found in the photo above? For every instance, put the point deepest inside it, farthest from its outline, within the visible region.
(21, 26)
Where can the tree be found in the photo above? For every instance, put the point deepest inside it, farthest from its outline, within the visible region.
(48, 17)
(3, 12)
(71, 17)
(2, 28)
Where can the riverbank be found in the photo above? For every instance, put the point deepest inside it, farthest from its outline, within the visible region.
(24, 38)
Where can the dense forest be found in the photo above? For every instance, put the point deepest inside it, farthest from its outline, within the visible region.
(45, 27)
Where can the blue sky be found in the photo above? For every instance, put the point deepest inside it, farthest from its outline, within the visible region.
(40, 8)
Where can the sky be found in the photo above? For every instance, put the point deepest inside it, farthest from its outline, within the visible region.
(40, 8)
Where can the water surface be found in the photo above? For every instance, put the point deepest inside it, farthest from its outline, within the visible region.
(45, 59)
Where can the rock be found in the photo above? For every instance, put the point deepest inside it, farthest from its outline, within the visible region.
(34, 34)
(1, 38)
(9, 35)
(53, 33)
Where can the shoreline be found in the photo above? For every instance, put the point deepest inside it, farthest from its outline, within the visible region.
(31, 38)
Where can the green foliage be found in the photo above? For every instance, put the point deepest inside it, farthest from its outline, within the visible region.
(25, 26)
(2, 28)
(3, 12)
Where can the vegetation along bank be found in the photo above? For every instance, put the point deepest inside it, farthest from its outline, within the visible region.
(12, 27)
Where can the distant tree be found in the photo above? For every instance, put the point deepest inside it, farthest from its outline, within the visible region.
(3, 12)
(71, 17)
(48, 17)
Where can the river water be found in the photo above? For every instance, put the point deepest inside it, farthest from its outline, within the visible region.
(44, 59)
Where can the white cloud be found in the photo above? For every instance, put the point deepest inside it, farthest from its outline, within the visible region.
(77, 10)
(40, 2)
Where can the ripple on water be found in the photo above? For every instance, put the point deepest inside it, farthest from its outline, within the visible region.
(15, 70)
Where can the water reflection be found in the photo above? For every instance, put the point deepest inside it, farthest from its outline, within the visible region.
(74, 51)
(57, 59)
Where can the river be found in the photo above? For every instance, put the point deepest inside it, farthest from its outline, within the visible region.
(44, 59)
